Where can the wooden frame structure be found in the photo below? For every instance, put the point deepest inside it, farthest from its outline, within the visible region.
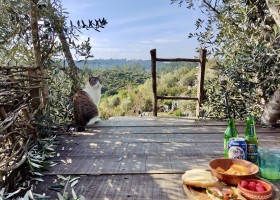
(200, 78)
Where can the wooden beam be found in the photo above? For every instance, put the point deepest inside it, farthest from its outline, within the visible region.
(17, 68)
(177, 98)
(177, 60)
(153, 53)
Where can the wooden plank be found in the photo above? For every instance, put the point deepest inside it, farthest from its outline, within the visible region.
(142, 162)
(106, 158)
(143, 121)
(172, 130)
(162, 130)
(133, 143)
(116, 122)
(120, 187)
(143, 186)
(112, 164)
(114, 141)
(114, 145)
(142, 148)
(130, 164)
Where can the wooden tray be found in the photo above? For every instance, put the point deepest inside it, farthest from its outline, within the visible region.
(200, 194)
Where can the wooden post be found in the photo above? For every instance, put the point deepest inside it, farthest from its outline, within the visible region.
(200, 76)
(154, 79)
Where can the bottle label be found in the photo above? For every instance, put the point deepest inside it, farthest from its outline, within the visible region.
(252, 153)
(237, 148)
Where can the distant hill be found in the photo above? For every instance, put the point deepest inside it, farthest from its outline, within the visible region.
(112, 63)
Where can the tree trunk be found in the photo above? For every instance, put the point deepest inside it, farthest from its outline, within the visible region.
(272, 109)
(37, 55)
(57, 24)
(74, 70)
(274, 10)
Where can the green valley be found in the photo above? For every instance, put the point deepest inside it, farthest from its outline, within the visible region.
(127, 90)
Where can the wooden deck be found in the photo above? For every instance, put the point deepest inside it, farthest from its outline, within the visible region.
(141, 158)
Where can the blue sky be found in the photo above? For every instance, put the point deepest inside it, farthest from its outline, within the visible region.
(137, 26)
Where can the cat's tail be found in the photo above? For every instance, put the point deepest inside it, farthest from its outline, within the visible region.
(75, 127)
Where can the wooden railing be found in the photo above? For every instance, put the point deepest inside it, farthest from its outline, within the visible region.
(200, 78)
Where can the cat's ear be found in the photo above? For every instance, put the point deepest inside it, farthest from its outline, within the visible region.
(90, 76)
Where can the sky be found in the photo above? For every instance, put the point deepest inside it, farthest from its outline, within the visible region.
(137, 26)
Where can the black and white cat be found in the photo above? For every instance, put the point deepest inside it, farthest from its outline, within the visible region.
(85, 103)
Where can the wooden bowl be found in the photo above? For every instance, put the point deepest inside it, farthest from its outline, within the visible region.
(225, 164)
(253, 195)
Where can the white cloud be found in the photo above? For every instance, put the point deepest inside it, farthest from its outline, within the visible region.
(108, 50)
(160, 41)
(94, 42)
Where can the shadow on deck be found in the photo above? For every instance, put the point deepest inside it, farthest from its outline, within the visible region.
(140, 158)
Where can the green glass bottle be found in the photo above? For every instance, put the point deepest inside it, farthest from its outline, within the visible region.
(251, 140)
(230, 132)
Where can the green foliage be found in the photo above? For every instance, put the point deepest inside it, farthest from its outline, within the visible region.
(168, 102)
(244, 39)
(171, 67)
(189, 78)
(38, 159)
(114, 101)
(133, 98)
(176, 113)
(59, 107)
(14, 33)
(116, 79)
(40, 154)
(16, 50)
(176, 82)
(65, 184)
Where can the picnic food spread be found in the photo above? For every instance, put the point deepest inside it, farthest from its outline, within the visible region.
(232, 177)
(255, 189)
(200, 184)
(215, 193)
(203, 185)
(199, 178)
(234, 170)
(253, 186)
